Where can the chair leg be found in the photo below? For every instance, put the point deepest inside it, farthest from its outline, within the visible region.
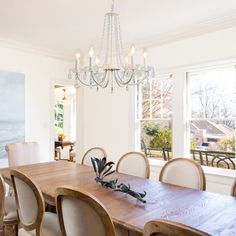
(2, 230)
(16, 229)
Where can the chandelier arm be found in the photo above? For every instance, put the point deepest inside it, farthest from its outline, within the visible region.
(144, 78)
(77, 77)
(123, 77)
(118, 81)
(103, 78)
(101, 83)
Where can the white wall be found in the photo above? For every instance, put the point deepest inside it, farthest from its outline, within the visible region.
(106, 122)
(109, 118)
(41, 73)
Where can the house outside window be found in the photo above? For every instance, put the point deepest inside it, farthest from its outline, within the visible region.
(212, 100)
(155, 116)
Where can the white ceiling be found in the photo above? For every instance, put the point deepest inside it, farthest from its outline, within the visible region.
(65, 25)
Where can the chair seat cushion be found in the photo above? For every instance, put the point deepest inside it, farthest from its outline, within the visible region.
(10, 209)
(22, 232)
(49, 227)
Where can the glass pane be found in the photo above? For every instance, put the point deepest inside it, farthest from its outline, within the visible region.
(212, 102)
(155, 136)
(146, 90)
(156, 89)
(167, 108)
(145, 110)
(156, 109)
(212, 136)
(167, 86)
(197, 110)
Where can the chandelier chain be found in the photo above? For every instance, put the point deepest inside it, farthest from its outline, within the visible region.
(112, 5)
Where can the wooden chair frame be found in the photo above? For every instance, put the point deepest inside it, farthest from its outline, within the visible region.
(199, 168)
(2, 210)
(233, 189)
(91, 149)
(169, 228)
(39, 197)
(135, 153)
(87, 198)
(2, 200)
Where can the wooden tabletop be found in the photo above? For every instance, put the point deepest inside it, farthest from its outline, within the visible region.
(212, 213)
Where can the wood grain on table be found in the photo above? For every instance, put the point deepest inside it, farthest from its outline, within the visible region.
(209, 212)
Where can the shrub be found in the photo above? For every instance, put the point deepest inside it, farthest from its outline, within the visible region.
(162, 139)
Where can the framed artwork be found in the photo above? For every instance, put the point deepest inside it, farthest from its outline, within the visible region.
(12, 109)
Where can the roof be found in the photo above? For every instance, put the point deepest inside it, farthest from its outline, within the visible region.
(212, 128)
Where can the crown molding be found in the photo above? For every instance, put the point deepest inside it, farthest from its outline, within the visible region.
(21, 46)
(204, 27)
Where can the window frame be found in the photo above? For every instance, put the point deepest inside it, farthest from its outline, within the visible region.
(210, 169)
(138, 110)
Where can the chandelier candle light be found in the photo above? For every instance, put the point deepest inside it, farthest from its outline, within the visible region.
(112, 63)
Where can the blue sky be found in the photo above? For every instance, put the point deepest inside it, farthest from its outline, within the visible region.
(12, 96)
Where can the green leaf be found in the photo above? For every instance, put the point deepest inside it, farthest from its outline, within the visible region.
(109, 173)
(106, 171)
(94, 165)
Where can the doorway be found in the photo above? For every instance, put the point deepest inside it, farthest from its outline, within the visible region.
(64, 121)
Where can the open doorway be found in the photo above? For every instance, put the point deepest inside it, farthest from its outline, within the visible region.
(65, 122)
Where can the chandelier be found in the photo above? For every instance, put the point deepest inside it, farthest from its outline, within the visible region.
(112, 64)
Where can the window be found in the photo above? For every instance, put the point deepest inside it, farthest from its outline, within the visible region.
(59, 116)
(155, 116)
(212, 100)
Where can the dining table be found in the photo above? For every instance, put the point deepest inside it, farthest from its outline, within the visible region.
(210, 212)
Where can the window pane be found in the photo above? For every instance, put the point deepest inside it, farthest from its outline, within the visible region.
(167, 86)
(167, 108)
(213, 115)
(156, 89)
(155, 118)
(157, 138)
(146, 90)
(156, 109)
(145, 110)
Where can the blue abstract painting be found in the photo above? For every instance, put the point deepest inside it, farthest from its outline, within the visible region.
(12, 109)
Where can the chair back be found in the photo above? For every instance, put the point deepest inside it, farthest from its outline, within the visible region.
(93, 152)
(134, 163)
(29, 200)
(82, 214)
(23, 153)
(183, 172)
(233, 189)
(2, 199)
(168, 228)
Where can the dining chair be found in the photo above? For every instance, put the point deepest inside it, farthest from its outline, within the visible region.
(134, 163)
(23, 153)
(93, 152)
(81, 213)
(183, 172)
(30, 208)
(233, 189)
(8, 214)
(169, 228)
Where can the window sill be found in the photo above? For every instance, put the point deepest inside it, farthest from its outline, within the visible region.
(207, 170)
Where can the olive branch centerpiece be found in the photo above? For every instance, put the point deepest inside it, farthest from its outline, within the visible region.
(102, 168)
